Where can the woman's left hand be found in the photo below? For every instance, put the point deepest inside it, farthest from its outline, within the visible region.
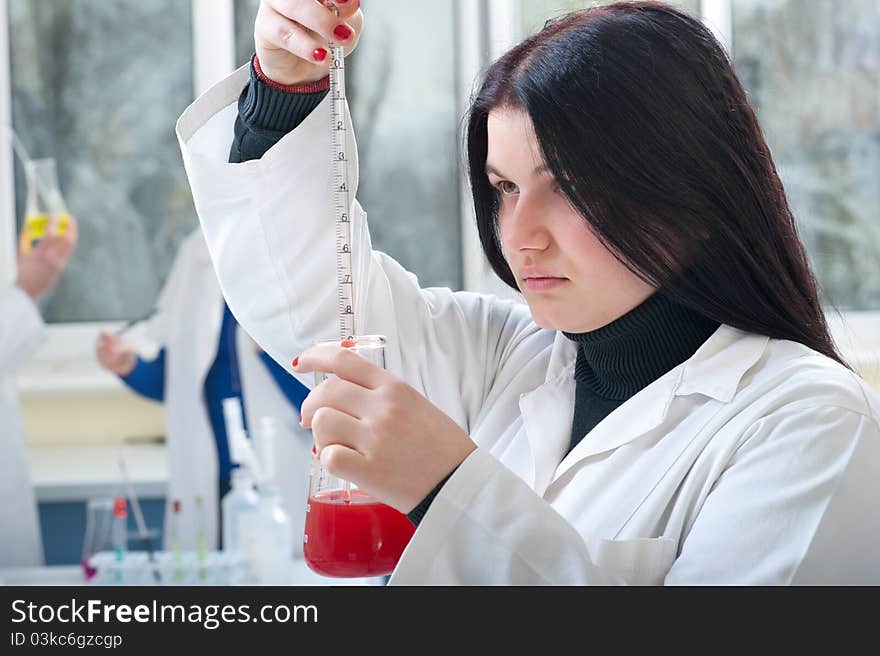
(376, 431)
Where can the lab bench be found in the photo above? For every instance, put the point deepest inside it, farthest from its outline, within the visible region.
(65, 477)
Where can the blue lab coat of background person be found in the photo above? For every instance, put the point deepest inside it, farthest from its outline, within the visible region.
(191, 354)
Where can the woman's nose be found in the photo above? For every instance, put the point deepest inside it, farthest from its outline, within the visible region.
(523, 228)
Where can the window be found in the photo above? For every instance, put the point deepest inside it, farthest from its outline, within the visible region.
(401, 85)
(103, 101)
(813, 74)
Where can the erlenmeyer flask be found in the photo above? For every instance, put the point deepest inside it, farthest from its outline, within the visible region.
(348, 533)
(44, 200)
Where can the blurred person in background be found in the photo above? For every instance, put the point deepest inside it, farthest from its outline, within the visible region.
(201, 358)
(21, 332)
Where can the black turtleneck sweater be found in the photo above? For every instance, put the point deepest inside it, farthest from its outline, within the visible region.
(613, 363)
(622, 358)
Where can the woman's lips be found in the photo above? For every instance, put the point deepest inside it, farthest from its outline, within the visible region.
(542, 284)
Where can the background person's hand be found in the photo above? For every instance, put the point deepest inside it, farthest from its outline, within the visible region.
(376, 431)
(40, 266)
(291, 37)
(115, 354)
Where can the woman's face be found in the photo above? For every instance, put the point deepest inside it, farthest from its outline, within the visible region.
(569, 279)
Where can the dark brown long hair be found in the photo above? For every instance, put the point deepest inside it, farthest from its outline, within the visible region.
(648, 131)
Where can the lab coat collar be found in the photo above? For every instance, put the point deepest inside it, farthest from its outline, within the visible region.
(719, 365)
(715, 370)
(547, 415)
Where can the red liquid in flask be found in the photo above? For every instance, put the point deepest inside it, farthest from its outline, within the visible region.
(357, 537)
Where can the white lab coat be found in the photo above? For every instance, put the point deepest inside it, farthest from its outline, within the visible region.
(21, 332)
(756, 461)
(187, 324)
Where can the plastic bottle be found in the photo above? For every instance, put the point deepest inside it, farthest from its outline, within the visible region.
(241, 498)
(268, 540)
(266, 532)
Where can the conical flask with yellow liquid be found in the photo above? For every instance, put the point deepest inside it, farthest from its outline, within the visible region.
(45, 202)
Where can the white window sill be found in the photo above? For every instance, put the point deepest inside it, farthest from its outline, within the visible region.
(66, 364)
(73, 472)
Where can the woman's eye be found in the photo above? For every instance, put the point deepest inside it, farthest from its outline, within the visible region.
(507, 188)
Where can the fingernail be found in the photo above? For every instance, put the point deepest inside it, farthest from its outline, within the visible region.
(319, 54)
(295, 362)
(314, 450)
(342, 32)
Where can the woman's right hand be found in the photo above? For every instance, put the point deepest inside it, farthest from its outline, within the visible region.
(292, 36)
(115, 354)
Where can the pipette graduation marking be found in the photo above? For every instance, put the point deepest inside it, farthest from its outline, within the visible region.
(341, 188)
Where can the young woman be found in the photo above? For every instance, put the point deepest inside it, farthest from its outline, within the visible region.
(667, 407)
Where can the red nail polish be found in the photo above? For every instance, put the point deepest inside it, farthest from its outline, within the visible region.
(314, 450)
(342, 32)
(319, 54)
(295, 361)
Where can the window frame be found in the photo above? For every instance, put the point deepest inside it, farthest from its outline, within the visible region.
(66, 364)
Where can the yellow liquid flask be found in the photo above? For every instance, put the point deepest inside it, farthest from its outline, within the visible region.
(44, 202)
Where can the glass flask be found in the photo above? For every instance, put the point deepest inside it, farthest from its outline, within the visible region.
(99, 533)
(349, 533)
(44, 201)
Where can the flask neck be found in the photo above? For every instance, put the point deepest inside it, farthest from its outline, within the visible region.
(241, 478)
